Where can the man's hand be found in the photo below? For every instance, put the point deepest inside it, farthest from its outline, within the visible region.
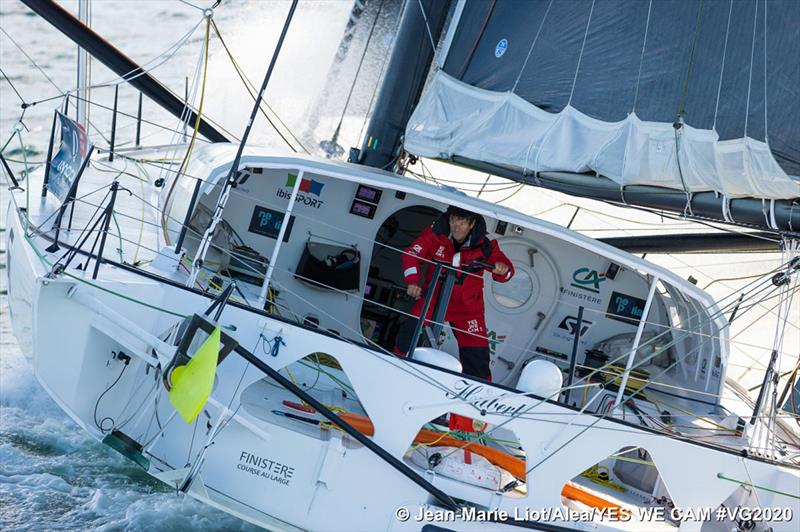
(500, 268)
(415, 291)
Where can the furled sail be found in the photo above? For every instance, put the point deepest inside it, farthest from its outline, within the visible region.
(687, 95)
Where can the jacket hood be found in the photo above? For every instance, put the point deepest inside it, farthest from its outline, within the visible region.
(442, 227)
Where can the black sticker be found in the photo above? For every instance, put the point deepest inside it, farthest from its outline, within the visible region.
(359, 208)
(625, 308)
(268, 223)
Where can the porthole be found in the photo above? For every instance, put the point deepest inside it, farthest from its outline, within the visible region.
(515, 292)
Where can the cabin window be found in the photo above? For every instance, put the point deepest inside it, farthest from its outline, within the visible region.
(515, 292)
(385, 299)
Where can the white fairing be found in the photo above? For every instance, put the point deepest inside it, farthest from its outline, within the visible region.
(542, 378)
(454, 118)
(437, 358)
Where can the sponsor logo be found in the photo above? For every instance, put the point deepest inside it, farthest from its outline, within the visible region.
(472, 326)
(501, 48)
(301, 198)
(581, 295)
(416, 249)
(266, 468)
(495, 340)
(308, 188)
(476, 394)
(567, 328)
(587, 279)
(570, 324)
(440, 252)
(625, 308)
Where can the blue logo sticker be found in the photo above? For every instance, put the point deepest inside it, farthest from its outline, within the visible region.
(501, 48)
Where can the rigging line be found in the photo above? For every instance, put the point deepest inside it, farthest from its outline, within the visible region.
(690, 62)
(787, 293)
(580, 57)
(768, 311)
(750, 74)
(98, 286)
(361, 63)
(519, 189)
(641, 57)
(358, 236)
(251, 90)
(361, 237)
(602, 417)
(187, 155)
(722, 68)
(12, 86)
(232, 177)
(733, 278)
(477, 40)
(191, 5)
(235, 255)
(708, 337)
(149, 66)
(128, 115)
(459, 184)
(530, 50)
(427, 27)
(401, 363)
(202, 64)
(488, 176)
(389, 308)
(31, 60)
(379, 79)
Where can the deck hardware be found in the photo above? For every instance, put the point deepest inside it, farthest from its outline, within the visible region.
(531, 253)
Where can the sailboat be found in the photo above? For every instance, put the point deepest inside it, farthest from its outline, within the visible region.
(236, 341)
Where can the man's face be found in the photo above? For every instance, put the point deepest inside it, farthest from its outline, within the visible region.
(460, 227)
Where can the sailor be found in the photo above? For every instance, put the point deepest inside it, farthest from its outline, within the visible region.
(457, 238)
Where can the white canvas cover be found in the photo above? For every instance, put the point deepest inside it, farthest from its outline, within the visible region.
(454, 118)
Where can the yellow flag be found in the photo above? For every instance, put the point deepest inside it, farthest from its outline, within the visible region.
(191, 384)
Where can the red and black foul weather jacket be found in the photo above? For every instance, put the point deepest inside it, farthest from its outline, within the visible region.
(435, 244)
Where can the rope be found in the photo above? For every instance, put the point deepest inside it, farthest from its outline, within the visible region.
(580, 57)
(360, 64)
(751, 485)
(188, 153)
(641, 57)
(251, 89)
(427, 27)
(690, 63)
(12, 86)
(722, 68)
(29, 58)
(530, 50)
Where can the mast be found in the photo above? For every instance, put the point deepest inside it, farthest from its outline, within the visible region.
(84, 69)
(118, 62)
(405, 77)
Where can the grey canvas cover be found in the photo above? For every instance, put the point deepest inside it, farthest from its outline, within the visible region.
(595, 86)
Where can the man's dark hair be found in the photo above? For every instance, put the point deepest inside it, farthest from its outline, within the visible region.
(461, 213)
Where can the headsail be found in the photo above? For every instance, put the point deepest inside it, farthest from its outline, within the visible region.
(691, 96)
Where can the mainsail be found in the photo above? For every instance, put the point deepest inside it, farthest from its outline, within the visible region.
(691, 97)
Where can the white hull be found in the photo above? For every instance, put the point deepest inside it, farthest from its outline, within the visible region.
(280, 473)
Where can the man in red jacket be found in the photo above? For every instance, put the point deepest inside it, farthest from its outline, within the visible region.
(457, 238)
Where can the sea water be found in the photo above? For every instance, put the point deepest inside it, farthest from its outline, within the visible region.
(53, 476)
